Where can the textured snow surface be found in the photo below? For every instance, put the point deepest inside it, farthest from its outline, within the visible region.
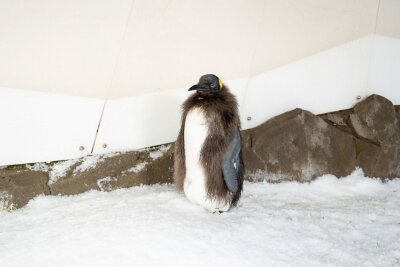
(353, 221)
(139, 167)
(60, 169)
(156, 152)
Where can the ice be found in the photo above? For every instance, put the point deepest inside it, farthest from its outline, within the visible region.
(352, 221)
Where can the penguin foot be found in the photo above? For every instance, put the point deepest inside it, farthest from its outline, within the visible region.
(219, 211)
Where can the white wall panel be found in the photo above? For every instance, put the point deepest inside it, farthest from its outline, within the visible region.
(45, 127)
(385, 68)
(239, 87)
(36, 127)
(327, 81)
(140, 121)
(147, 120)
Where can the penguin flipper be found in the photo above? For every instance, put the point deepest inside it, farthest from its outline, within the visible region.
(231, 163)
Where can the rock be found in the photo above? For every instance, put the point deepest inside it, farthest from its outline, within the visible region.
(298, 145)
(122, 170)
(376, 121)
(19, 185)
(375, 125)
(338, 119)
(155, 171)
(371, 159)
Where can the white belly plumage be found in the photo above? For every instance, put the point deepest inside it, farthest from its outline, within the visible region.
(196, 131)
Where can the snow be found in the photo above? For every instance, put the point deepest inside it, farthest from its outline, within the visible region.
(104, 183)
(137, 168)
(353, 221)
(89, 162)
(59, 170)
(156, 152)
(6, 202)
(261, 176)
(159, 152)
(38, 167)
(56, 170)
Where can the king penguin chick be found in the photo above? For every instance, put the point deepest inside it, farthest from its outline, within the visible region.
(208, 163)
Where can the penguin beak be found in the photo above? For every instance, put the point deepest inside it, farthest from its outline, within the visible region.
(194, 87)
(198, 88)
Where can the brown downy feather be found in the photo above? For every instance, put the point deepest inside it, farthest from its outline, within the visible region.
(221, 112)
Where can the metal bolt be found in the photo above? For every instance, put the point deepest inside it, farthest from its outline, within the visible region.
(249, 118)
(358, 97)
(81, 148)
(104, 145)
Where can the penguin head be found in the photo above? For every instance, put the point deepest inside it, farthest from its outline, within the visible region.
(208, 83)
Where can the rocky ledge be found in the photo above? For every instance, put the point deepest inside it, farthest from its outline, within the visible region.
(296, 145)
(299, 145)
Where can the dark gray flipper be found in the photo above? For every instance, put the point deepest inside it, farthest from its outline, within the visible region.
(231, 163)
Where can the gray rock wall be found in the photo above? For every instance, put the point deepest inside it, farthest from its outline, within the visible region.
(19, 184)
(296, 145)
(299, 145)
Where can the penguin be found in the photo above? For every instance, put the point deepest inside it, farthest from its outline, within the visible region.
(208, 164)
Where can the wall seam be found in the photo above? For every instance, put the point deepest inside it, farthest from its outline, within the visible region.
(248, 75)
(372, 50)
(113, 74)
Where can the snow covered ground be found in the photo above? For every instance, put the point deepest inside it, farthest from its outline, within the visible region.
(352, 221)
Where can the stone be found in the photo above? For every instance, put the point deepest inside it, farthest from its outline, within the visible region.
(375, 125)
(145, 172)
(371, 159)
(298, 145)
(338, 119)
(376, 121)
(148, 166)
(19, 185)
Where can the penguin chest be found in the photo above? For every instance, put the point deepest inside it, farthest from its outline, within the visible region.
(195, 133)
